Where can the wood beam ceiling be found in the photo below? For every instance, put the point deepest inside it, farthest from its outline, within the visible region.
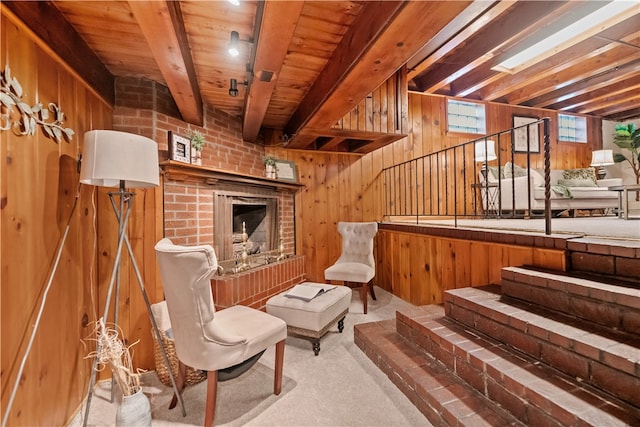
(374, 48)
(276, 30)
(171, 53)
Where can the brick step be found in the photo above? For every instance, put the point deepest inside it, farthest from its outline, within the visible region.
(608, 304)
(443, 398)
(618, 257)
(532, 391)
(577, 348)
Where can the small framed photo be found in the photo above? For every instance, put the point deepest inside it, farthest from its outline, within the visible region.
(520, 135)
(286, 170)
(179, 148)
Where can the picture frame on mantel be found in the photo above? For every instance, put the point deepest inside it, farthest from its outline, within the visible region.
(179, 148)
(286, 171)
(520, 135)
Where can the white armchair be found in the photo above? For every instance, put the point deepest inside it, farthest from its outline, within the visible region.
(205, 339)
(356, 266)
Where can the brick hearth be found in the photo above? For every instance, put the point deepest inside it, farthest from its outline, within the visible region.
(254, 287)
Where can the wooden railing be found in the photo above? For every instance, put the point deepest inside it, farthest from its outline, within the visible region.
(445, 183)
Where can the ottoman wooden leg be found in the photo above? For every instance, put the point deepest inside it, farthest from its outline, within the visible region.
(316, 346)
(341, 325)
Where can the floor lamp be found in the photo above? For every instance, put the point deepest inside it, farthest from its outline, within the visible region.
(123, 160)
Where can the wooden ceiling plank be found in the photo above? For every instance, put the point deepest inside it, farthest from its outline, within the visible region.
(367, 26)
(596, 96)
(172, 53)
(583, 82)
(474, 17)
(364, 60)
(278, 24)
(49, 24)
(472, 52)
(573, 56)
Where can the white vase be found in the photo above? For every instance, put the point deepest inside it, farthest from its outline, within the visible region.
(270, 171)
(134, 410)
(196, 157)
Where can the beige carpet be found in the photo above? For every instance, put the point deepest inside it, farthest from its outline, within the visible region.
(339, 387)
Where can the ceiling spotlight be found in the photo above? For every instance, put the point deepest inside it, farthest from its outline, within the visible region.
(234, 42)
(235, 2)
(233, 87)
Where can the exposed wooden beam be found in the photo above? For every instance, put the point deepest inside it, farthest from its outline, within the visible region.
(278, 24)
(47, 23)
(369, 24)
(604, 76)
(171, 52)
(374, 48)
(471, 49)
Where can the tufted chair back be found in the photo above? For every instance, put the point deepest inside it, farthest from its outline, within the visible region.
(356, 264)
(357, 242)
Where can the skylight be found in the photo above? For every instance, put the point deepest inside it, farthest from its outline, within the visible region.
(578, 31)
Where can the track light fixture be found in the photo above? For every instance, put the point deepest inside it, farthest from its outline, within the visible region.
(233, 87)
(234, 42)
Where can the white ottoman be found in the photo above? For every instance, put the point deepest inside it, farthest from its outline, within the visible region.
(312, 319)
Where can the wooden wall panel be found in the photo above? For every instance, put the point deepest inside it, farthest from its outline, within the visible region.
(38, 185)
(351, 187)
(420, 267)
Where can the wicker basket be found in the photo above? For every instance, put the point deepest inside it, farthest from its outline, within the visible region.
(193, 376)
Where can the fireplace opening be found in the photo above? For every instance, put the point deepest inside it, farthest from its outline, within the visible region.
(259, 215)
(253, 219)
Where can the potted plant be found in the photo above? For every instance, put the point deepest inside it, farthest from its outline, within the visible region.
(628, 137)
(270, 166)
(197, 143)
(134, 410)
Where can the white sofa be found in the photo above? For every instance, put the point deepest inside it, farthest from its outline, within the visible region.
(579, 197)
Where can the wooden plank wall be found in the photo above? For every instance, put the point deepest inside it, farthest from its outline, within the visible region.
(383, 110)
(38, 184)
(419, 268)
(347, 187)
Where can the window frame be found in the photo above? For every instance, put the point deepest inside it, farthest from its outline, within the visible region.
(467, 130)
(579, 131)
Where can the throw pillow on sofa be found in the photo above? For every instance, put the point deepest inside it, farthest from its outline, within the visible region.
(511, 170)
(580, 173)
(577, 183)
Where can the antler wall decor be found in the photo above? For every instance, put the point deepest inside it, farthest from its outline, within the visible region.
(30, 115)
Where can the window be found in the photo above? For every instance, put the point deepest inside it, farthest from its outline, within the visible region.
(466, 117)
(572, 128)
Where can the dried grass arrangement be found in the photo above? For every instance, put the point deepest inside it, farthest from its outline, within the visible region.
(111, 352)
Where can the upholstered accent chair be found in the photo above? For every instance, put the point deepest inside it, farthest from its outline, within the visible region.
(356, 266)
(206, 339)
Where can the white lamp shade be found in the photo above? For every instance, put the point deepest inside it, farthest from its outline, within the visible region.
(602, 158)
(110, 157)
(485, 150)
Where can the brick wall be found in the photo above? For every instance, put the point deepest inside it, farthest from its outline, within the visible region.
(146, 108)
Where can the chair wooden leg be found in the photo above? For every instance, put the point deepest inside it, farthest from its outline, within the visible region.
(182, 374)
(372, 292)
(277, 378)
(212, 394)
(364, 295)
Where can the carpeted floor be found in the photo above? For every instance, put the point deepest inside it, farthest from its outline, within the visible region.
(339, 387)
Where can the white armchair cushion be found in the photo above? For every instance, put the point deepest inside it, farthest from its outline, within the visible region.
(350, 272)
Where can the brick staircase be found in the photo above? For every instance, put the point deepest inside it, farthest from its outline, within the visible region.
(542, 349)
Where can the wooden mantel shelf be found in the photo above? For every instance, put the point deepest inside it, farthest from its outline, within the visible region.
(178, 171)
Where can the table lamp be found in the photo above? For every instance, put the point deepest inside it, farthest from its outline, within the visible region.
(600, 159)
(485, 152)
